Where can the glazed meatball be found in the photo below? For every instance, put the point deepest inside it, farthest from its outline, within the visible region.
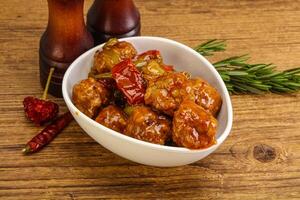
(204, 95)
(146, 125)
(89, 95)
(113, 53)
(193, 126)
(112, 117)
(166, 92)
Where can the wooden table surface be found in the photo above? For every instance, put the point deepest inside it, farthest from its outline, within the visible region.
(259, 160)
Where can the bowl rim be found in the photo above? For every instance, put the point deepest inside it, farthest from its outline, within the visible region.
(228, 104)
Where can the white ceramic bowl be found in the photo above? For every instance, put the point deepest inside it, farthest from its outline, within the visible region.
(184, 59)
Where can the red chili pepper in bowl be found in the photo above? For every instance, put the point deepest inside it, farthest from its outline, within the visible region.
(168, 68)
(48, 134)
(129, 81)
(149, 55)
(41, 111)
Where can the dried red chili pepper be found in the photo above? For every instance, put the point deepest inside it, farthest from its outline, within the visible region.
(39, 110)
(48, 134)
(129, 81)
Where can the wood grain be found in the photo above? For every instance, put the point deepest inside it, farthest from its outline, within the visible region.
(259, 160)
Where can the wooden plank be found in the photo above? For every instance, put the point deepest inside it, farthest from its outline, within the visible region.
(259, 160)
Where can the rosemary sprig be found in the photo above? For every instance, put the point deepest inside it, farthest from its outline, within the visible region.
(241, 77)
(211, 46)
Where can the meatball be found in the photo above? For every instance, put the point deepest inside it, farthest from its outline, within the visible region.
(193, 126)
(89, 95)
(113, 53)
(144, 124)
(112, 117)
(166, 92)
(204, 95)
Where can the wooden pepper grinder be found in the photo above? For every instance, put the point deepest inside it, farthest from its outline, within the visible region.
(113, 18)
(65, 38)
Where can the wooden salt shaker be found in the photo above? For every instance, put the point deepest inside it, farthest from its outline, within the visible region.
(65, 38)
(113, 18)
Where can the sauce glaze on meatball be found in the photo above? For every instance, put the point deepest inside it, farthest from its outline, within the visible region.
(89, 95)
(112, 117)
(204, 95)
(144, 124)
(193, 126)
(166, 92)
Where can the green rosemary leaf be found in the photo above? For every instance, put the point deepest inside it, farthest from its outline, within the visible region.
(266, 76)
(258, 67)
(250, 89)
(233, 61)
(292, 84)
(225, 77)
(238, 73)
(292, 71)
